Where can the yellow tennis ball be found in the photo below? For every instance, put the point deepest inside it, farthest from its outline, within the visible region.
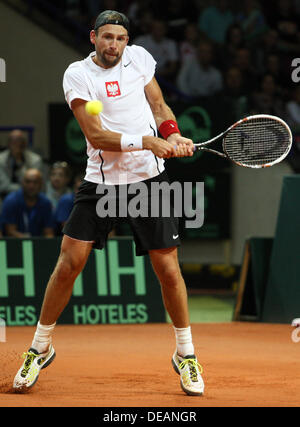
(93, 107)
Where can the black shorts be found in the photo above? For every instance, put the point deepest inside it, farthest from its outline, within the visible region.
(148, 232)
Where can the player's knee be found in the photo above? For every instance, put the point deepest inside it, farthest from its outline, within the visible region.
(68, 268)
(171, 277)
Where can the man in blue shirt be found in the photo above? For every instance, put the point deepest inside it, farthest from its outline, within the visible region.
(27, 212)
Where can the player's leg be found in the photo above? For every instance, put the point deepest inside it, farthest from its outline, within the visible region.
(72, 258)
(71, 261)
(159, 236)
(166, 266)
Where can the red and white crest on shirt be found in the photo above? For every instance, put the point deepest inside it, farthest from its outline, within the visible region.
(112, 89)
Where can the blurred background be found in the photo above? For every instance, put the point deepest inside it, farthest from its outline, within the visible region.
(217, 61)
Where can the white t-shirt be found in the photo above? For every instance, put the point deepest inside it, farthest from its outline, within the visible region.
(125, 110)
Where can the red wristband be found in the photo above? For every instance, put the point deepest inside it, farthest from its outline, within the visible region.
(167, 128)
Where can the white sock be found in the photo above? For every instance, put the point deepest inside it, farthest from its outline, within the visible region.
(42, 337)
(184, 341)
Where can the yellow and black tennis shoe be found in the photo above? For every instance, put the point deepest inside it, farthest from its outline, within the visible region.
(190, 372)
(29, 372)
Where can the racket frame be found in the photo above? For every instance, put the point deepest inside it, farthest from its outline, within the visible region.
(202, 145)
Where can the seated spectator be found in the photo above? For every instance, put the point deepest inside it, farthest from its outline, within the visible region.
(163, 49)
(243, 61)
(215, 20)
(234, 93)
(57, 184)
(198, 77)
(177, 15)
(233, 41)
(142, 24)
(273, 67)
(65, 205)
(283, 18)
(188, 45)
(268, 45)
(27, 212)
(252, 20)
(15, 160)
(267, 99)
(293, 110)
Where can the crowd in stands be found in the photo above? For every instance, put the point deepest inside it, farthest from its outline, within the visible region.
(35, 200)
(239, 49)
(242, 51)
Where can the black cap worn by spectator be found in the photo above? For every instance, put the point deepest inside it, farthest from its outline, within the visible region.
(111, 17)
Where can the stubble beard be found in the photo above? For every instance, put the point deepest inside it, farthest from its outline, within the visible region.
(107, 63)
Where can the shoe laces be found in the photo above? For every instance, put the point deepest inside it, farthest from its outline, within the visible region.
(29, 359)
(194, 366)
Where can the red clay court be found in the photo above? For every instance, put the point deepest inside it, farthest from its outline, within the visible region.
(245, 364)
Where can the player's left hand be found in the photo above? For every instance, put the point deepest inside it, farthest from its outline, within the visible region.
(184, 146)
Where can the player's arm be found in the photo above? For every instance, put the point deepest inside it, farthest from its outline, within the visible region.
(166, 120)
(112, 141)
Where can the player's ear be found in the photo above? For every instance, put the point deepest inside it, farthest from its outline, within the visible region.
(93, 36)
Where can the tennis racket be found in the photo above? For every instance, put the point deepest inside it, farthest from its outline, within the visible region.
(257, 141)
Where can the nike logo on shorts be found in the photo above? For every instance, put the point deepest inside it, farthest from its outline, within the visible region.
(175, 237)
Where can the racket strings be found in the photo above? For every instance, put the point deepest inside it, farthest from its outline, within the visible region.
(257, 142)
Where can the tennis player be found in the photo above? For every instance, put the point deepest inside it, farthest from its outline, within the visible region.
(123, 148)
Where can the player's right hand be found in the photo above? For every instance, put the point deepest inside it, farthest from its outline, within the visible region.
(159, 147)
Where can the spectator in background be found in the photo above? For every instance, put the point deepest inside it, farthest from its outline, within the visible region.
(177, 14)
(243, 61)
(293, 110)
(163, 49)
(65, 205)
(273, 67)
(283, 18)
(143, 23)
(252, 20)
(215, 20)
(233, 41)
(234, 93)
(198, 77)
(141, 15)
(188, 45)
(27, 212)
(15, 161)
(268, 45)
(267, 99)
(57, 184)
